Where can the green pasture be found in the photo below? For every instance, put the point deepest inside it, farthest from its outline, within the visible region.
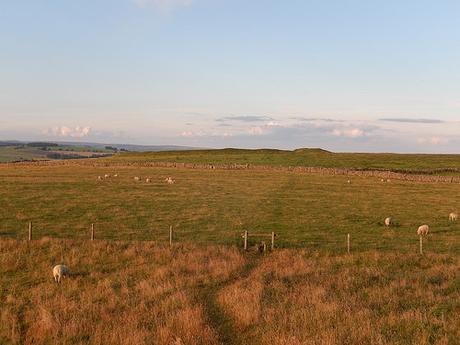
(301, 157)
(215, 206)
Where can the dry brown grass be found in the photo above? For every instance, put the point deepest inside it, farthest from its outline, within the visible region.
(119, 293)
(296, 298)
(143, 293)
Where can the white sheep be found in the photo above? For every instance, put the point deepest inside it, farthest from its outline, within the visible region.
(388, 180)
(382, 180)
(116, 175)
(137, 178)
(106, 176)
(423, 230)
(60, 271)
(348, 181)
(99, 178)
(453, 217)
(148, 180)
(388, 221)
(169, 180)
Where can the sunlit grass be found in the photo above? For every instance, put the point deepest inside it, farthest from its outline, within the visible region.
(215, 206)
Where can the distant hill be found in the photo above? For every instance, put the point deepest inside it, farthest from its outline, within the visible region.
(19, 151)
(135, 148)
(420, 163)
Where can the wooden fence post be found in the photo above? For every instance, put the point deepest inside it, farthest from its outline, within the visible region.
(421, 245)
(348, 243)
(30, 231)
(92, 232)
(245, 240)
(170, 236)
(273, 241)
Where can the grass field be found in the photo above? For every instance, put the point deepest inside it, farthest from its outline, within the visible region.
(143, 293)
(301, 157)
(119, 293)
(20, 153)
(215, 206)
(15, 153)
(129, 287)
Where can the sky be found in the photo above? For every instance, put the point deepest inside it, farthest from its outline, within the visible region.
(381, 76)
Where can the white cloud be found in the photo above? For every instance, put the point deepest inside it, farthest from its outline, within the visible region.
(187, 134)
(192, 134)
(67, 132)
(264, 129)
(257, 130)
(348, 132)
(164, 5)
(433, 140)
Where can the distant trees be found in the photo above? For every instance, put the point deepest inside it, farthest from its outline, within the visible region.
(55, 155)
(41, 144)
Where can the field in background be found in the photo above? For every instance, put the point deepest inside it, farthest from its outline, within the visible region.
(215, 206)
(144, 293)
(302, 157)
(33, 152)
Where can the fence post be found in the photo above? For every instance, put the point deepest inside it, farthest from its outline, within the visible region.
(348, 243)
(30, 231)
(273, 241)
(92, 231)
(170, 235)
(421, 245)
(245, 240)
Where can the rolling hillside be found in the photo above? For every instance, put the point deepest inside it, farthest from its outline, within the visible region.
(303, 157)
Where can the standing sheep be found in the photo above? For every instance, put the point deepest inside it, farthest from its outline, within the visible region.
(388, 221)
(453, 217)
(148, 180)
(99, 178)
(137, 178)
(106, 176)
(423, 230)
(60, 271)
(169, 180)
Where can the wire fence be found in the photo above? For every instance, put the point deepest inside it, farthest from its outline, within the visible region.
(436, 243)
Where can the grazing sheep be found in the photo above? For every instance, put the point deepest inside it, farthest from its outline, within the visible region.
(382, 180)
(99, 178)
(106, 176)
(423, 230)
(137, 178)
(116, 175)
(348, 181)
(453, 217)
(169, 180)
(60, 271)
(148, 180)
(388, 221)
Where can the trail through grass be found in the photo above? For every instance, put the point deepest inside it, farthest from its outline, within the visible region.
(228, 333)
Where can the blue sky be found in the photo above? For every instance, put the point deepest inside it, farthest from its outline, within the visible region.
(341, 75)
